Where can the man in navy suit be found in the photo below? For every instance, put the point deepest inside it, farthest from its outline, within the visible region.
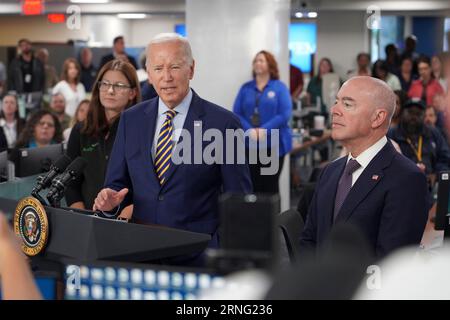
(374, 188)
(142, 170)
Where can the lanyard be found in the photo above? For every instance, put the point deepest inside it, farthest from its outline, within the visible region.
(417, 151)
(257, 98)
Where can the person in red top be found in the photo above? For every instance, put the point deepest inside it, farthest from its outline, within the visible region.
(426, 87)
(296, 80)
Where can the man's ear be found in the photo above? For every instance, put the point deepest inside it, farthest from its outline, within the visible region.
(192, 68)
(379, 117)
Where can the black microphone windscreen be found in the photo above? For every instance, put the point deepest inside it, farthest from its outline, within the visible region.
(62, 163)
(77, 165)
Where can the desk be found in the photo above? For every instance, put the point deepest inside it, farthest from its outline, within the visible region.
(306, 151)
(21, 187)
(299, 147)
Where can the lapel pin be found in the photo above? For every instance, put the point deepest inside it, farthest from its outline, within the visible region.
(375, 177)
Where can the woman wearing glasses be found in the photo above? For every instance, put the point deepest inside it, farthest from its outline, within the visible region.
(41, 130)
(115, 89)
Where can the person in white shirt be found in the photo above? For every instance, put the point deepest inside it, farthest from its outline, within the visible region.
(381, 71)
(70, 86)
(10, 122)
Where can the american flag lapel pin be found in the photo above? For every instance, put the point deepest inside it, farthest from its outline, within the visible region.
(375, 177)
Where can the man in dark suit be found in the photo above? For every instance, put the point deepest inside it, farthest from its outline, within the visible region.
(118, 53)
(142, 169)
(374, 188)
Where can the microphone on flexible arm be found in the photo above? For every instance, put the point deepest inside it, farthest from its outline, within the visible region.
(60, 183)
(45, 181)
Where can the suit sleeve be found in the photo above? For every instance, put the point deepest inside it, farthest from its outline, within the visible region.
(73, 191)
(404, 214)
(117, 175)
(442, 152)
(236, 176)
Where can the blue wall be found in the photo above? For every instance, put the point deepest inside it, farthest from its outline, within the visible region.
(430, 33)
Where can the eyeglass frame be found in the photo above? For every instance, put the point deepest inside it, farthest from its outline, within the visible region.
(117, 87)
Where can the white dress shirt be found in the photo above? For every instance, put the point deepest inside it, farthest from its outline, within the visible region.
(365, 157)
(73, 98)
(178, 121)
(10, 130)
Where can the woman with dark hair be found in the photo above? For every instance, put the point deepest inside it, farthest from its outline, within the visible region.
(426, 87)
(263, 104)
(314, 89)
(115, 89)
(401, 98)
(10, 122)
(380, 71)
(406, 75)
(41, 130)
(70, 86)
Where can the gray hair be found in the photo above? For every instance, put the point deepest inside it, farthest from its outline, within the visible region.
(171, 37)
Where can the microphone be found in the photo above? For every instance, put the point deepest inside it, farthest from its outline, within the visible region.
(60, 183)
(43, 182)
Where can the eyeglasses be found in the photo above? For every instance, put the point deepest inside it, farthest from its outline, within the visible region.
(43, 123)
(117, 87)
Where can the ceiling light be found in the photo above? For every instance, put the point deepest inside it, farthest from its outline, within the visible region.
(131, 15)
(89, 1)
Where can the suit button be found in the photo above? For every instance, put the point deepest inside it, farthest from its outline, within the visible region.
(161, 198)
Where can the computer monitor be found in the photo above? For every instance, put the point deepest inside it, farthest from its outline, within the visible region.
(442, 221)
(33, 161)
(3, 166)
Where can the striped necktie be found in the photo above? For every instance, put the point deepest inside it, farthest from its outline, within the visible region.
(164, 147)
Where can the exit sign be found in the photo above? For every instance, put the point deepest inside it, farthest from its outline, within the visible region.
(32, 7)
(56, 18)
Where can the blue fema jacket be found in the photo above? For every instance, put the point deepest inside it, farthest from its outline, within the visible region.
(274, 106)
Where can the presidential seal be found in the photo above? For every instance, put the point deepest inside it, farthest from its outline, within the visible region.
(31, 224)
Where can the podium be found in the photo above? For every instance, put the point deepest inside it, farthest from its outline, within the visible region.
(89, 238)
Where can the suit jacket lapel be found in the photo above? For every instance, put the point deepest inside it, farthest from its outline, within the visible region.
(149, 125)
(370, 177)
(195, 112)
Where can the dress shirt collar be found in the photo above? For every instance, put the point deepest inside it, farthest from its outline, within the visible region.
(182, 108)
(367, 155)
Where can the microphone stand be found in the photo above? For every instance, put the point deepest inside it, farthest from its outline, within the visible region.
(36, 194)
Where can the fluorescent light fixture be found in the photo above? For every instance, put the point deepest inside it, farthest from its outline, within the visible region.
(312, 14)
(89, 1)
(299, 15)
(131, 15)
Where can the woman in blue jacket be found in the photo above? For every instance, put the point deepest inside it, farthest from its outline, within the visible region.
(264, 105)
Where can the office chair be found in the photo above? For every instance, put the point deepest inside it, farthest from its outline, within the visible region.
(291, 224)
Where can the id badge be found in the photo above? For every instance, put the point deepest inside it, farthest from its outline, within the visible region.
(255, 120)
(27, 78)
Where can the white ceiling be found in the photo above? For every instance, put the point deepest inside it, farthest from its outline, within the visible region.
(440, 7)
